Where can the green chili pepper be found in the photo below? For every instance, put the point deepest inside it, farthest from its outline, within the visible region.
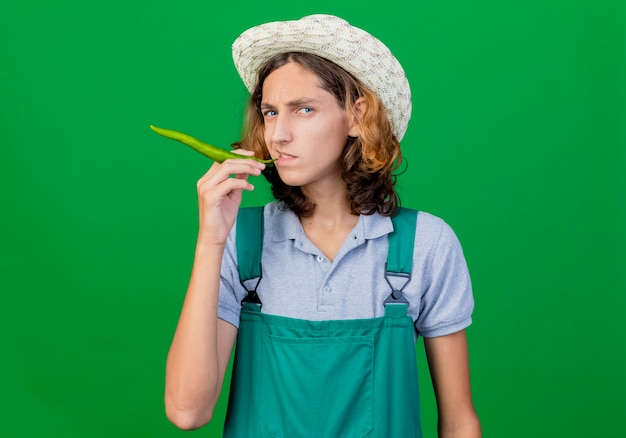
(213, 152)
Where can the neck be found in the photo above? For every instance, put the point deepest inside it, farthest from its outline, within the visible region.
(330, 202)
(330, 223)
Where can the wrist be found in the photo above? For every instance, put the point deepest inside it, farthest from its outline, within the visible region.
(209, 247)
(208, 240)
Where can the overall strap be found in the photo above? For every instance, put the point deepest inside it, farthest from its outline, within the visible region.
(249, 240)
(400, 252)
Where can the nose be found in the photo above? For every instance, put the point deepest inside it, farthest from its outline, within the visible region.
(281, 129)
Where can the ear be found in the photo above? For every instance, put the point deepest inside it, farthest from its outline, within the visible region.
(360, 106)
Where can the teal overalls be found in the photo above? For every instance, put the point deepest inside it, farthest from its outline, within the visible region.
(296, 378)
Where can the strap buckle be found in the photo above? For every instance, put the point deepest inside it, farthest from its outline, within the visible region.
(396, 296)
(253, 296)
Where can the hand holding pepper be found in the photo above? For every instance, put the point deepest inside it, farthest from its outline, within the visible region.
(219, 195)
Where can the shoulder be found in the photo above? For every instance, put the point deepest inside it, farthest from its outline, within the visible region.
(278, 222)
(273, 213)
(431, 231)
(434, 228)
(437, 245)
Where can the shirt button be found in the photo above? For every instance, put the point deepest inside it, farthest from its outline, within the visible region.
(320, 259)
(327, 289)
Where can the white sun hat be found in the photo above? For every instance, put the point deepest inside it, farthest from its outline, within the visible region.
(333, 38)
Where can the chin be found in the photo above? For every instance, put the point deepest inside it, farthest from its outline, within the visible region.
(292, 180)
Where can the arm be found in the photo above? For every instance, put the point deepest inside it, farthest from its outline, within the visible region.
(199, 353)
(449, 368)
(202, 343)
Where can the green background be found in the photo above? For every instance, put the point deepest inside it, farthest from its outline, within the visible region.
(518, 140)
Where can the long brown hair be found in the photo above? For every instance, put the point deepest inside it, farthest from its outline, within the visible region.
(369, 161)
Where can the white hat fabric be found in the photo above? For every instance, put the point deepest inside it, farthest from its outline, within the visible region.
(333, 38)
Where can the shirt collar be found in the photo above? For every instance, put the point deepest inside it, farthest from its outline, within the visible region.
(287, 226)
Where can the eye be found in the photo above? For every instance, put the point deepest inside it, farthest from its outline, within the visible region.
(269, 113)
(305, 110)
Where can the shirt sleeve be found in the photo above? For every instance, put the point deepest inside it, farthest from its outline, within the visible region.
(447, 302)
(231, 291)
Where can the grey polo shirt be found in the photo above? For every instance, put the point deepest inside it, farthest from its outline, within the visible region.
(298, 281)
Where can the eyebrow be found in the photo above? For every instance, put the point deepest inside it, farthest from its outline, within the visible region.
(293, 103)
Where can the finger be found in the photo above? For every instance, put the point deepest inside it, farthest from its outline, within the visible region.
(234, 184)
(244, 152)
(210, 190)
(219, 172)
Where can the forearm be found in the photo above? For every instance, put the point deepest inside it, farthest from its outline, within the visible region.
(192, 370)
(449, 368)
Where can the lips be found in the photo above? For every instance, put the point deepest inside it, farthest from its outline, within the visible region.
(284, 158)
